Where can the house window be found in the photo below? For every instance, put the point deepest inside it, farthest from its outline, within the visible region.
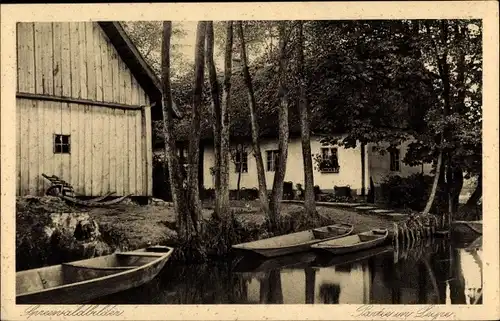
(62, 144)
(272, 160)
(395, 160)
(241, 157)
(329, 160)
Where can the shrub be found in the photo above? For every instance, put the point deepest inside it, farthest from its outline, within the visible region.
(247, 194)
(412, 192)
(300, 191)
(207, 193)
(317, 191)
(215, 241)
(298, 220)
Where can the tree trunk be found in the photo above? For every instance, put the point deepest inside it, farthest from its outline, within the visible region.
(238, 185)
(226, 106)
(457, 182)
(280, 170)
(216, 116)
(449, 191)
(434, 184)
(371, 192)
(254, 123)
(174, 169)
(444, 71)
(305, 121)
(194, 136)
(478, 192)
(461, 68)
(443, 68)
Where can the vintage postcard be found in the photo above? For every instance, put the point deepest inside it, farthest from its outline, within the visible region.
(250, 161)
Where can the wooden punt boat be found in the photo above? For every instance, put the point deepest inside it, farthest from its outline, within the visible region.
(294, 242)
(331, 230)
(353, 243)
(85, 280)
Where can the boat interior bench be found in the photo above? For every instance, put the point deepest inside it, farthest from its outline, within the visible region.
(350, 240)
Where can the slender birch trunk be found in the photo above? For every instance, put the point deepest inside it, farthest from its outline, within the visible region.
(305, 131)
(430, 201)
(280, 170)
(478, 192)
(443, 68)
(226, 106)
(170, 148)
(194, 136)
(216, 116)
(254, 122)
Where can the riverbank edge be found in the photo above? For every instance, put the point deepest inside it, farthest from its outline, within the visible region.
(120, 233)
(130, 226)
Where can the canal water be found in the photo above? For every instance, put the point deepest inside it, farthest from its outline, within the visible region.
(438, 273)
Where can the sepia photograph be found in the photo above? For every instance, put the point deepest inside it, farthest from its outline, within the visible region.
(249, 162)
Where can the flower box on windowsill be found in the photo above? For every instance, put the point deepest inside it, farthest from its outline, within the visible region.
(330, 170)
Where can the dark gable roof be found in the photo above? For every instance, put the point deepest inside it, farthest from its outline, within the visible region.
(137, 65)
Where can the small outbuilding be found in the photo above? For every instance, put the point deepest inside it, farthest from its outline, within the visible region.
(85, 99)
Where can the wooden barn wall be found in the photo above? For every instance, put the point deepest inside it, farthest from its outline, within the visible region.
(107, 148)
(110, 148)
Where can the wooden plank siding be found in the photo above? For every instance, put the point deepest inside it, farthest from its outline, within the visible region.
(110, 150)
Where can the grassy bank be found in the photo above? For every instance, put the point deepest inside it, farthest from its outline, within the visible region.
(130, 226)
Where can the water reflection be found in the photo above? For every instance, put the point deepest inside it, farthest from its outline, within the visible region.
(329, 293)
(438, 273)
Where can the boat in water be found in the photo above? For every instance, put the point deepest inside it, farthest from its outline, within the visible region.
(294, 242)
(85, 280)
(353, 243)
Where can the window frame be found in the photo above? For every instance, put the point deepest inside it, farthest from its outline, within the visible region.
(61, 145)
(395, 162)
(327, 154)
(273, 160)
(239, 155)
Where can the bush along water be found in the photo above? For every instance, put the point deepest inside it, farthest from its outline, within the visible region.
(412, 193)
(215, 241)
(218, 236)
(295, 222)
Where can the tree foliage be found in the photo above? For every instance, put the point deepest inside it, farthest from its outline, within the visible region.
(261, 38)
(371, 81)
(147, 36)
